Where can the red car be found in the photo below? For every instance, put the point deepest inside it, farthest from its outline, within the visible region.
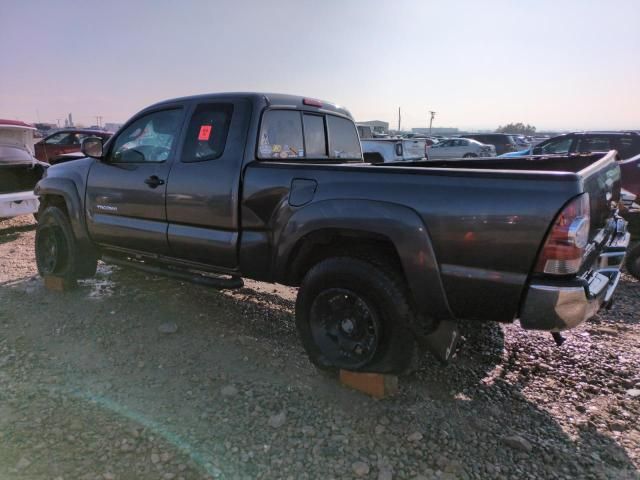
(64, 141)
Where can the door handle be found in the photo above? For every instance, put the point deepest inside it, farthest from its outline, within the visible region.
(154, 181)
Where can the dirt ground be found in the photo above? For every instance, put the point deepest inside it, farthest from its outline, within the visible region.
(135, 376)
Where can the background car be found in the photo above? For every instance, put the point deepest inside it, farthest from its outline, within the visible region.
(502, 142)
(460, 148)
(65, 141)
(626, 143)
(19, 170)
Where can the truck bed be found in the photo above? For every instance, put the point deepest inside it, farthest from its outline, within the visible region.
(486, 219)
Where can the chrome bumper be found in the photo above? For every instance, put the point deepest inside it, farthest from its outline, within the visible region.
(553, 306)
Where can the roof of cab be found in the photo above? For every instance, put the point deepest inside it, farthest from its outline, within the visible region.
(270, 99)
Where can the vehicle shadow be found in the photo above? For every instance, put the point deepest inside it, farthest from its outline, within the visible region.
(477, 416)
(12, 232)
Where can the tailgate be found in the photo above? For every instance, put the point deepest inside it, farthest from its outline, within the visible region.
(601, 180)
(414, 149)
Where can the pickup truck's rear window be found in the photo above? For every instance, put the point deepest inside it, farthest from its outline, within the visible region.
(207, 132)
(282, 136)
(343, 138)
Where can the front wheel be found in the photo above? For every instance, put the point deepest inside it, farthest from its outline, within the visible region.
(633, 261)
(354, 315)
(57, 250)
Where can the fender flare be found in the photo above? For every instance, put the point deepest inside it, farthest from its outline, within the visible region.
(66, 188)
(399, 224)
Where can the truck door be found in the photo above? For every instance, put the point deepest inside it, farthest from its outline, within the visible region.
(203, 189)
(126, 191)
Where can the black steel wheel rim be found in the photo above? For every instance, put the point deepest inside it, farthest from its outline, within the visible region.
(345, 328)
(51, 250)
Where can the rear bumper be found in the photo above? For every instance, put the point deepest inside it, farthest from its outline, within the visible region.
(19, 203)
(558, 306)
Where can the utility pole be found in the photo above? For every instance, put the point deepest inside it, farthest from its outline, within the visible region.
(433, 114)
(399, 117)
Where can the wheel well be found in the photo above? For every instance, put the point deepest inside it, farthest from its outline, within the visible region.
(318, 246)
(53, 201)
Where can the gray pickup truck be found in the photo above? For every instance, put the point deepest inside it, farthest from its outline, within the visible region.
(217, 187)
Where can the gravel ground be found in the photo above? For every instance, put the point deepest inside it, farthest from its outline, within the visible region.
(133, 376)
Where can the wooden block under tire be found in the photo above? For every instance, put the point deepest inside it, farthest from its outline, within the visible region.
(378, 385)
(57, 284)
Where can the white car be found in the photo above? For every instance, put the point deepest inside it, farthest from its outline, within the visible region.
(385, 150)
(460, 148)
(19, 169)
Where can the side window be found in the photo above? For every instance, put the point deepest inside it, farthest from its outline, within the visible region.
(557, 146)
(281, 135)
(343, 138)
(314, 136)
(207, 133)
(148, 139)
(627, 146)
(593, 144)
(59, 139)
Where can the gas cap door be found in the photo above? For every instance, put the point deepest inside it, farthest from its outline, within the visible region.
(302, 191)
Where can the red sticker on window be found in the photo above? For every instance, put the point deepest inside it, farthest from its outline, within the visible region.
(205, 133)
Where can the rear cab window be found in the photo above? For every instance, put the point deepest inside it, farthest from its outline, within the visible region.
(300, 135)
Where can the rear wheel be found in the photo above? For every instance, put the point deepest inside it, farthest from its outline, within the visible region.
(57, 250)
(354, 315)
(633, 261)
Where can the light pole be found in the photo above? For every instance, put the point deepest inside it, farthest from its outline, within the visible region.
(433, 114)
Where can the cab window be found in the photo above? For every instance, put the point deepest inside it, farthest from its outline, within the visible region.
(281, 135)
(64, 138)
(148, 139)
(627, 146)
(343, 138)
(315, 138)
(561, 145)
(207, 132)
(292, 134)
(593, 144)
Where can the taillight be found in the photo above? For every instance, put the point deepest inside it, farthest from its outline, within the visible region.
(565, 244)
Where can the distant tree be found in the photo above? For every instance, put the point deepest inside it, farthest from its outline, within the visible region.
(519, 128)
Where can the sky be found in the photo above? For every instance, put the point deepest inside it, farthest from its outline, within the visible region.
(555, 64)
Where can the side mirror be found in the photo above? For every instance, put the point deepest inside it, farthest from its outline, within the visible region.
(92, 147)
(537, 151)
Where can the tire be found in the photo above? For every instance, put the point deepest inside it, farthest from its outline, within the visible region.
(57, 250)
(354, 315)
(633, 261)
(470, 155)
